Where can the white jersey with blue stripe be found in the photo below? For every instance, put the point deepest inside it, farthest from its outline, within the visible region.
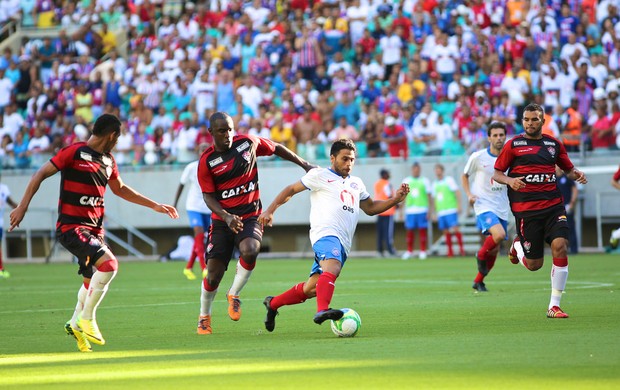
(491, 195)
(334, 204)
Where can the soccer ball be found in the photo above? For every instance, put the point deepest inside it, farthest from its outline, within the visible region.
(348, 325)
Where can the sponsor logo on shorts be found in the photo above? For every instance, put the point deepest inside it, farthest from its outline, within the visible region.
(562, 218)
(209, 248)
(527, 245)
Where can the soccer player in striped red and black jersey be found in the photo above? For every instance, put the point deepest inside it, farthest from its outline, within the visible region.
(228, 177)
(527, 166)
(87, 168)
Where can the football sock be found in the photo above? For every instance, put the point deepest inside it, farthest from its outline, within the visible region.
(207, 295)
(423, 239)
(449, 244)
(1, 266)
(325, 290)
(244, 271)
(459, 239)
(410, 240)
(79, 306)
(98, 287)
(520, 254)
(292, 296)
(487, 245)
(192, 257)
(559, 275)
(199, 242)
(479, 278)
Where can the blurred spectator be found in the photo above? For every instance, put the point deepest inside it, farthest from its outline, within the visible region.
(395, 137)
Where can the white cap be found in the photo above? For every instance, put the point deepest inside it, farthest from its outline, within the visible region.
(465, 82)
(599, 93)
(390, 121)
(480, 94)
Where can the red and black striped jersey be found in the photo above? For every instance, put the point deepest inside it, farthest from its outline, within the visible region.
(535, 161)
(84, 177)
(232, 176)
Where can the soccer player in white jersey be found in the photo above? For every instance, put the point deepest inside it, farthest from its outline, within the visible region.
(198, 213)
(335, 198)
(489, 199)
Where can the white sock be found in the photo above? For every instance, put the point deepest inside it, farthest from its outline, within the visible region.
(206, 300)
(241, 278)
(79, 306)
(98, 287)
(616, 234)
(558, 284)
(520, 253)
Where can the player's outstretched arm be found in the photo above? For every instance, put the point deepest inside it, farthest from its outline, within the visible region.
(17, 215)
(266, 218)
(285, 153)
(374, 207)
(123, 191)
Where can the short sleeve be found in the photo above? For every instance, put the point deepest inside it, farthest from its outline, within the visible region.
(205, 178)
(64, 157)
(185, 176)
(312, 179)
(264, 146)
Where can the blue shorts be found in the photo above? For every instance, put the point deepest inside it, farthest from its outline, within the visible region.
(448, 221)
(197, 219)
(327, 248)
(416, 221)
(488, 219)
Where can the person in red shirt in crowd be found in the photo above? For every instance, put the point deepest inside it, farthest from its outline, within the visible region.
(404, 22)
(395, 136)
(514, 45)
(481, 17)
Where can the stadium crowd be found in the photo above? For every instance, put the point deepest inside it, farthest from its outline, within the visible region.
(400, 78)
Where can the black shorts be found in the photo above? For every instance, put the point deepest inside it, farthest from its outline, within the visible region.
(84, 245)
(535, 230)
(222, 240)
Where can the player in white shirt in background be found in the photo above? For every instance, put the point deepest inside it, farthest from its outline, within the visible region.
(336, 198)
(198, 213)
(5, 198)
(489, 199)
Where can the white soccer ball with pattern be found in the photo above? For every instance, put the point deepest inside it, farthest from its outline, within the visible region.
(348, 325)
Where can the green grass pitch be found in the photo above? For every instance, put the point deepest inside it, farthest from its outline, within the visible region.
(422, 327)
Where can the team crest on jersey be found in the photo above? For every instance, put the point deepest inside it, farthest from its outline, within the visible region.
(551, 151)
(354, 186)
(243, 146)
(247, 156)
(86, 156)
(216, 161)
(527, 245)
